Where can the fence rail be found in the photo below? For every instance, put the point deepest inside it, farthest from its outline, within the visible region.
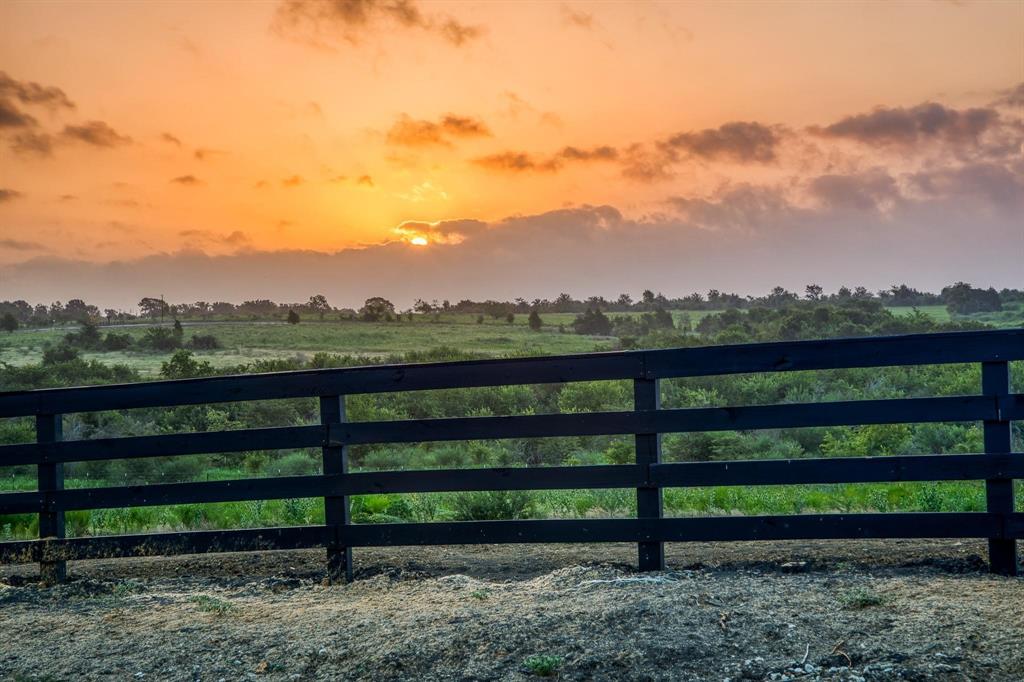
(995, 407)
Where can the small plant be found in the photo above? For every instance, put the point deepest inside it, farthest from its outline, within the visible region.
(861, 598)
(480, 594)
(542, 665)
(208, 604)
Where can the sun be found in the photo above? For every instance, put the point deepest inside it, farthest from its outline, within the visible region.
(419, 241)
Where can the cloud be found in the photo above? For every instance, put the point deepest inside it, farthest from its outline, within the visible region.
(577, 18)
(31, 93)
(207, 238)
(171, 139)
(738, 141)
(754, 238)
(868, 191)
(203, 153)
(993, 185)
(11, 117)
(9, 195)
(409, 132)
(518, 162)
(29, 143)
(324, 22)
(909, 127)
(187, 180)
(95, 133)
(1011, 97)
(19, 245)
(293, 181)
(364, 180)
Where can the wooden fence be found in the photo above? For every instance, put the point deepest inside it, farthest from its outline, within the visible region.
(995, 406)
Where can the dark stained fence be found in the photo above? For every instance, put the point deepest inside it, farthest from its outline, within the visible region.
(995, 406)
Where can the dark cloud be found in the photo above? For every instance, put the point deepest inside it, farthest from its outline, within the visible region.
(868, 191)
(167, 137)
(95, 133)
(187, 180)
(364, 180)
(907, 127)
(30, 143)
(409, 132)
(20, 245)
(740, 141)
(12, 117)
(997, 186)
(30, 93)
(9, 195)
(327, 21)
(517, 162)
(742, 207)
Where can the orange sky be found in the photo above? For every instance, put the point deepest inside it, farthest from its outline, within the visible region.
(241, 128)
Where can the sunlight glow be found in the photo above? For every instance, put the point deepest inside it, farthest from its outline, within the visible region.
(419, 241)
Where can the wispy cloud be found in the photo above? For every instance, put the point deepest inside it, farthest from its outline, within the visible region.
(95, 133)
(410, 132)
(325, 22)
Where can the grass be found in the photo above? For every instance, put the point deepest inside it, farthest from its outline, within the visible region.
(212, 605)
(861, 598)
(542, 665)
(953, 496)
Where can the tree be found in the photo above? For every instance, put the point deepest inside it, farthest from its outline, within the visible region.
(535, 322)
(293, 317)
(319, 305)
(376, 309)
(592, 322)
(510, 318)
(153, 307)
(8, 323)
(813, 292)
(963, 299)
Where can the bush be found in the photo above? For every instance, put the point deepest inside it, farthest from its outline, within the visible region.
(204, 342)
(58, 354)
(493, 505)
(160, 339)
(114, 342)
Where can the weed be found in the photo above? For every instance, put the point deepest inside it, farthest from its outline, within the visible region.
(542, 665)
(861, 598)
(208, 604)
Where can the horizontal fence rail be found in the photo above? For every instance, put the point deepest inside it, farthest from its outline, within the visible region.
(995, 407)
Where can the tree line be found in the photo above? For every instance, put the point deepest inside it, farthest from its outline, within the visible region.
(960, 298)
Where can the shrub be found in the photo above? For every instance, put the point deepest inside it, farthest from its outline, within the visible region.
(204, 342)
(160, 339)
(493, 505)
(113, 342)
(542, 665)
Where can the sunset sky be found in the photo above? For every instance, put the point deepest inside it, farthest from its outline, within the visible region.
(205, 150)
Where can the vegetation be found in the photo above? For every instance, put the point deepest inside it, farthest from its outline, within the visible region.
(90, 354)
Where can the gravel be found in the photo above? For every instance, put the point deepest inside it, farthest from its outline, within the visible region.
(846, 611)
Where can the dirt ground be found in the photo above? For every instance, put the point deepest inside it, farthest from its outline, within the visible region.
(912, 610)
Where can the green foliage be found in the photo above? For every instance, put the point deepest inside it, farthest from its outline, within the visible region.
(861, 598)
(9, 323)
(592, 322)
(212, 605)
(492, 505)
(542, 665)
(534, 321)
(293, 317)
(183, 365)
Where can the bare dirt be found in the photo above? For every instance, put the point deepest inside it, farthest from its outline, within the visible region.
(914, 610)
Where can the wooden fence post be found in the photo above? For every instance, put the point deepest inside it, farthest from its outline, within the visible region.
(50, 477)
(336, 511)
(646, 396)
(1002, 553)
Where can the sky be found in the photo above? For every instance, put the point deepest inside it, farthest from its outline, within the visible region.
(412, 149)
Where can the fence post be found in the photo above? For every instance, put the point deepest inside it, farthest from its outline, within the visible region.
(50, 477)
(646, 396)
(335, 457)
(995, 382)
